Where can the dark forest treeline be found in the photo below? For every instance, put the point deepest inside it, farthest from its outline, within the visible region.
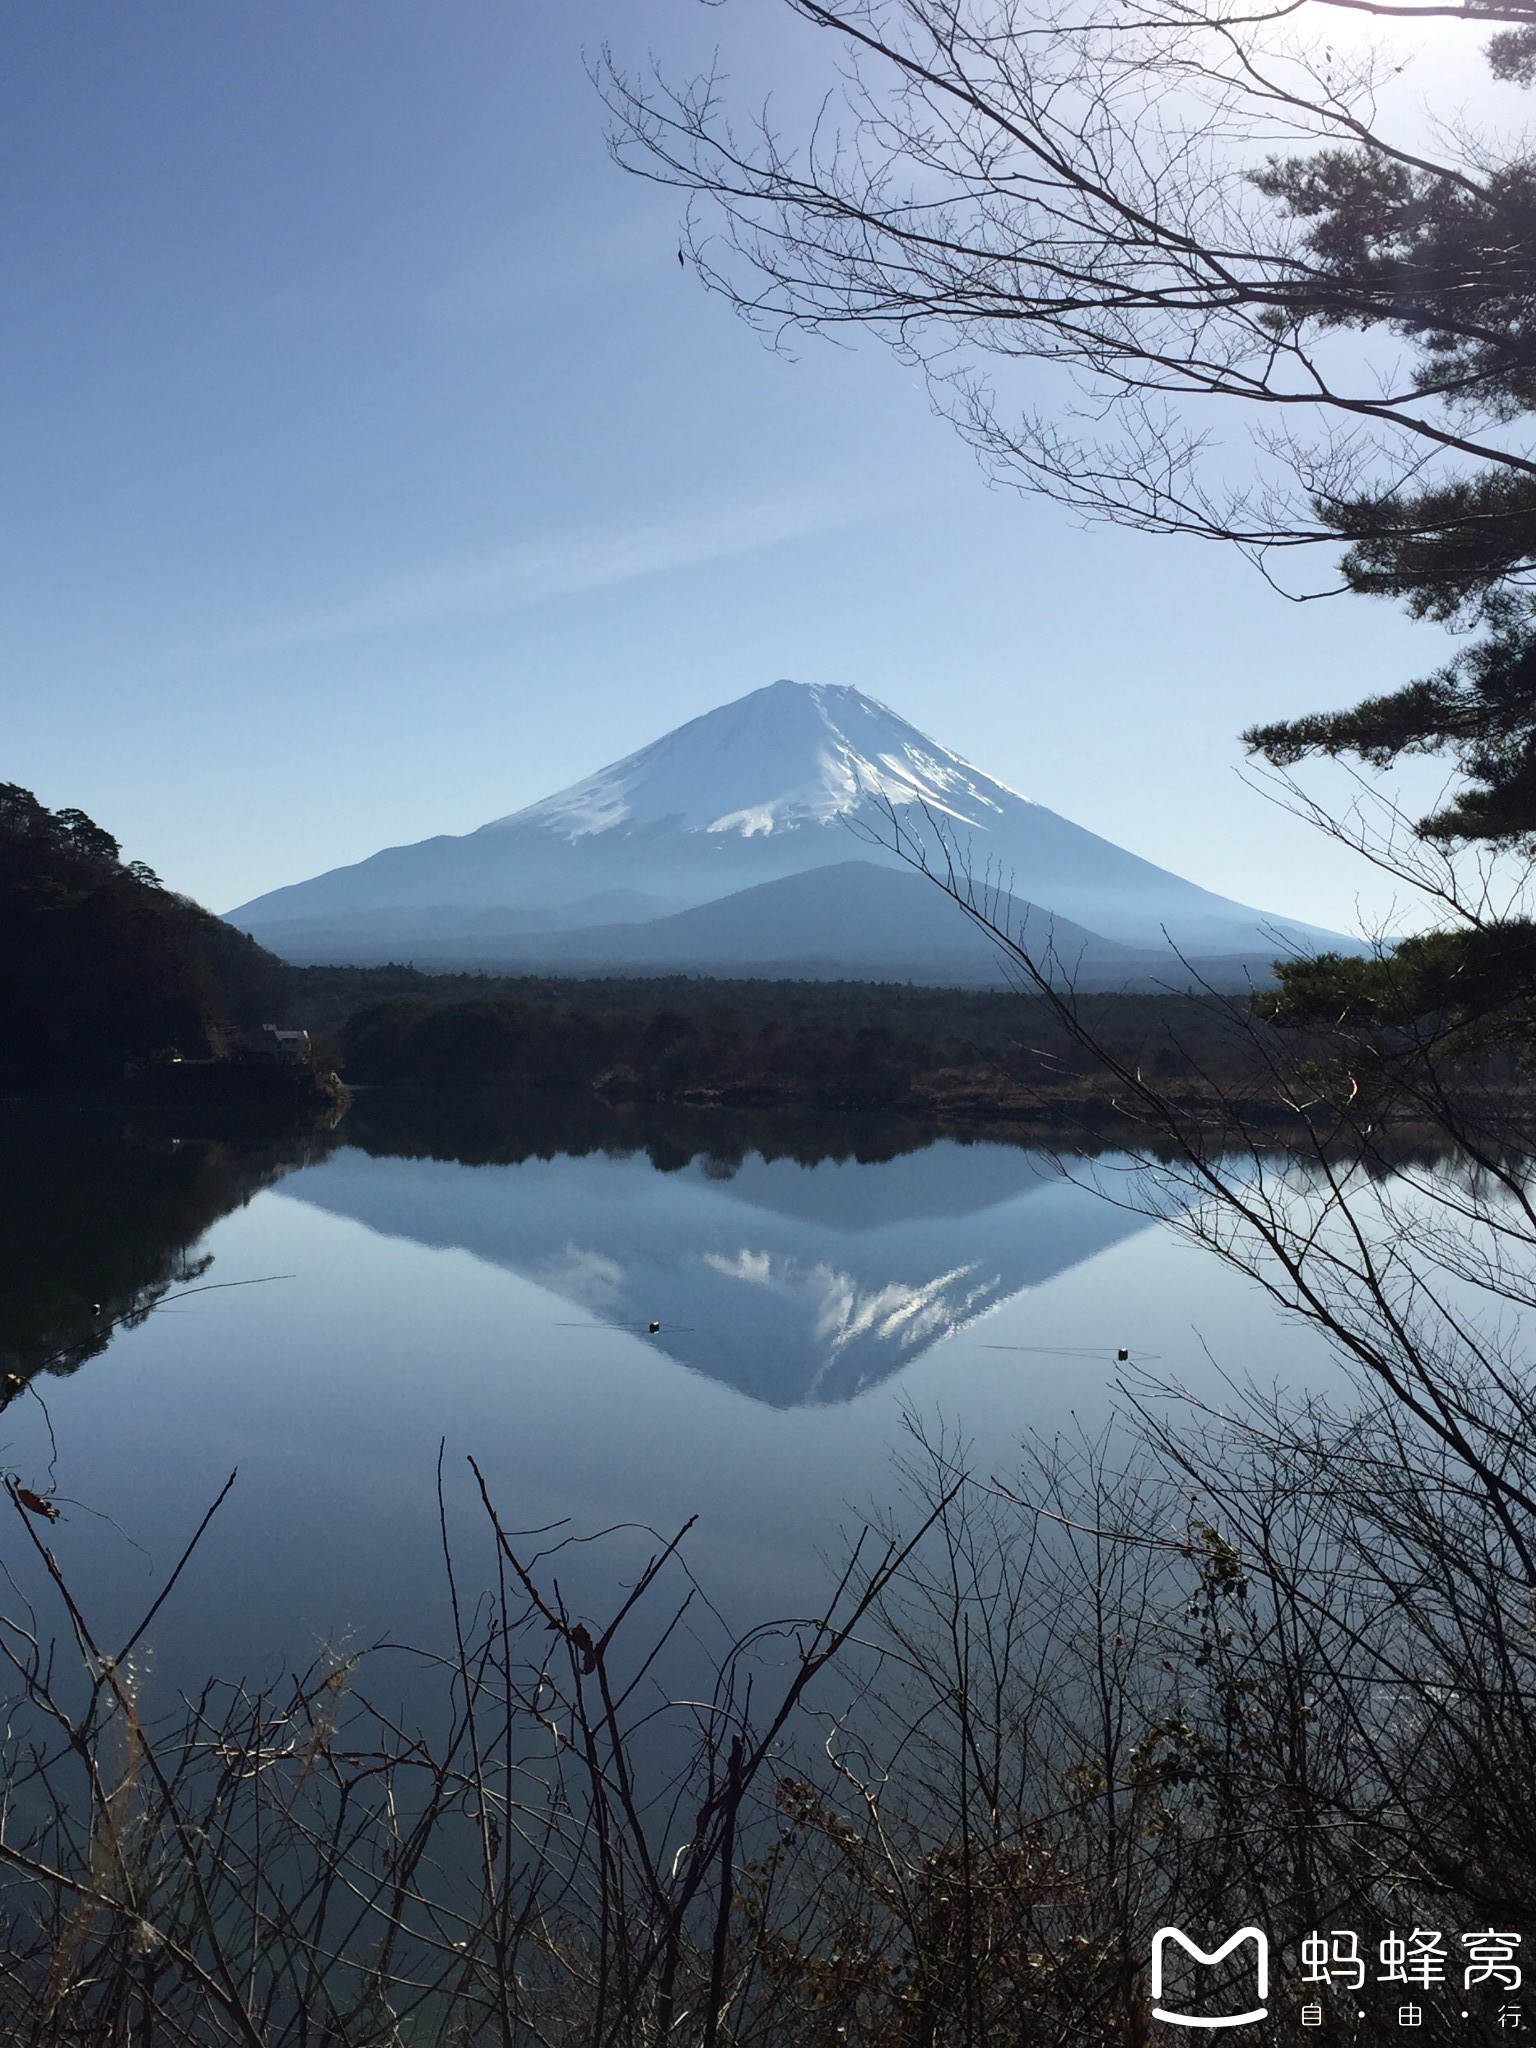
(852, 1045)
(103, 965)
(989, 1020)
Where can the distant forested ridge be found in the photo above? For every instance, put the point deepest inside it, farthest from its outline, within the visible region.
(102, 966)
(835, 1045)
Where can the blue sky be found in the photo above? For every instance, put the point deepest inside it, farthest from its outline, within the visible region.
(373, 469)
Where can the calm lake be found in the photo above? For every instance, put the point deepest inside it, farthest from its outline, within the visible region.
(331, 1307)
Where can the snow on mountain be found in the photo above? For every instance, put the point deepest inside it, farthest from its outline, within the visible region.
(788, 755)
(793, 778)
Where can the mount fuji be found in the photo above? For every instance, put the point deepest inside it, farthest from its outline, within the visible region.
(758, 839)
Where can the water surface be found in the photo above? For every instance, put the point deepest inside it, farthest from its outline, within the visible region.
(333, 1306)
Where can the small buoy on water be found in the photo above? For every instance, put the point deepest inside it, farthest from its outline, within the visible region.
(654, 1328)
(1122, 1355)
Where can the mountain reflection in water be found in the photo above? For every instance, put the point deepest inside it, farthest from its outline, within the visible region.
(480, 1275)
(796, 1279)
(798, 1261)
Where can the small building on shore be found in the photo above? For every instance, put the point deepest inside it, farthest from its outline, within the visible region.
(279, 1048)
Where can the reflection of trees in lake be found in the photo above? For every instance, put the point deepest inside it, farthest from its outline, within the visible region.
(503, 1127)
(100, 1216)
(507, 1124)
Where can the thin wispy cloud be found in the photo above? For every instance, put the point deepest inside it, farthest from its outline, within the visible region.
(565, 564)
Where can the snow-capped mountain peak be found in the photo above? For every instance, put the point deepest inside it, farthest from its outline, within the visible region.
(744, 807)
(787, 755)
